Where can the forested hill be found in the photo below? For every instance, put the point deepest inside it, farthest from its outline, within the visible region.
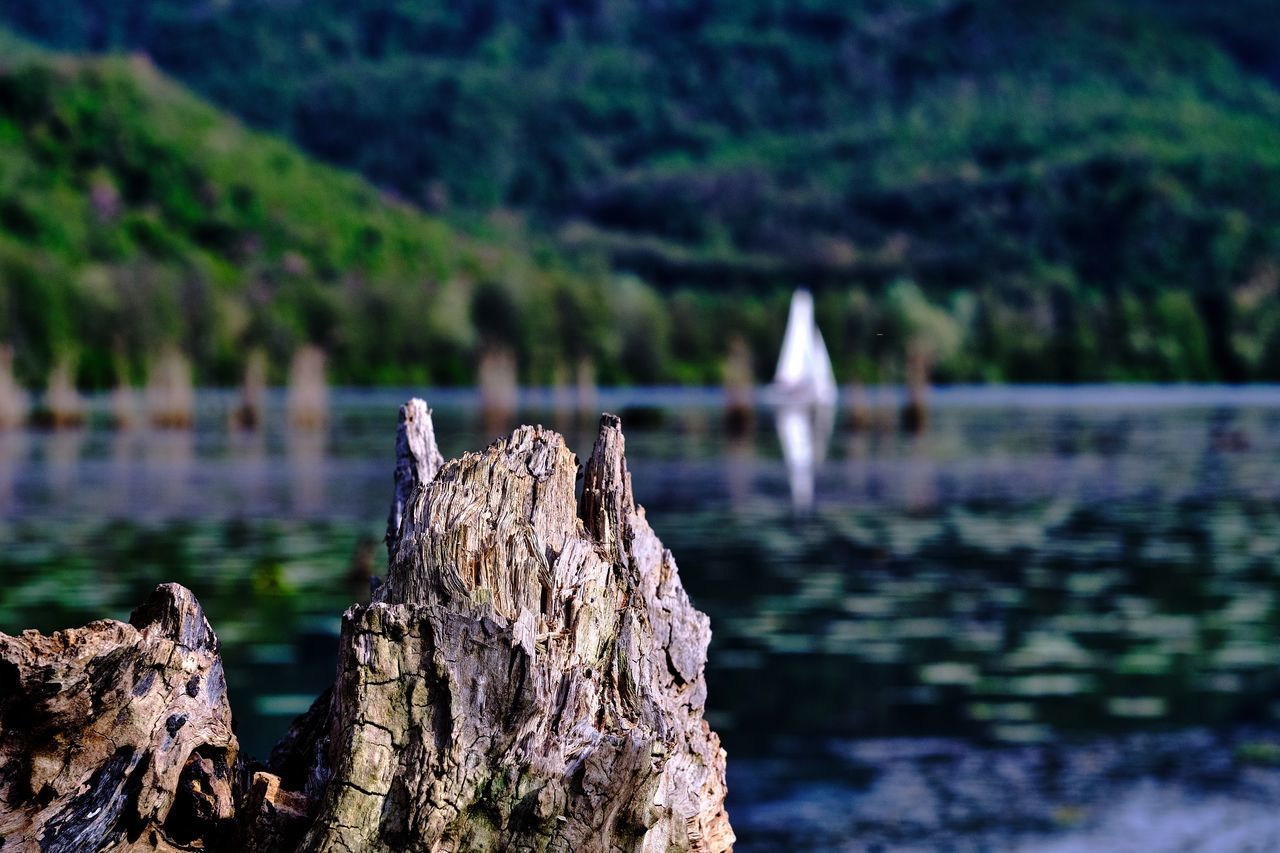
(134, 216)
(1085, 189)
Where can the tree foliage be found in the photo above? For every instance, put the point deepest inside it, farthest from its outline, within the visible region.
(1090, 188)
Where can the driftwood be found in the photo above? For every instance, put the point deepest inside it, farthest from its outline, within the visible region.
(528, 677)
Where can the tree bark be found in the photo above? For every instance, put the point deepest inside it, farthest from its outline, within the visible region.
(116, 736)
(529, 677)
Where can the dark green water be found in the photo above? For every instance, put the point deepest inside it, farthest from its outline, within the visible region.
(1069, 598)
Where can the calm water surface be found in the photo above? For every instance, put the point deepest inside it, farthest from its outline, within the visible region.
(1047, 622)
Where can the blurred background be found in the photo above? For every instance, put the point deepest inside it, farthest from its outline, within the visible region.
(989, 529)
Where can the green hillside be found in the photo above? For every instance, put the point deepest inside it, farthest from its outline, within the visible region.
(133, 215)
(1081, 190)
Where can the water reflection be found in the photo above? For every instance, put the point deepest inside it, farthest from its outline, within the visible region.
(168, 462)
(121, 469)
(1026, 579)
(13, 450)
(62, 459)
(307, 470)
(740, 470)
(804, 433)
(248, 457)
(919, 481)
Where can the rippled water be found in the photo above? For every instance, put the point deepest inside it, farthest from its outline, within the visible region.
(1048, 619)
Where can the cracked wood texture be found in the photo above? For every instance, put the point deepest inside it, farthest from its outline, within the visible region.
(529, 676)
(116, 736)
(417, 461)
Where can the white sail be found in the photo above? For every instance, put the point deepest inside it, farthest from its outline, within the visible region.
(804, 368)
(804, 390)
(797, 342)
(823, 377)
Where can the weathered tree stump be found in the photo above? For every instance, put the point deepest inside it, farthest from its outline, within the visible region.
(116, 736)
(529, 677)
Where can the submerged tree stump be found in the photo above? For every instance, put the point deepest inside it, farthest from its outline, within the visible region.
(528, 677)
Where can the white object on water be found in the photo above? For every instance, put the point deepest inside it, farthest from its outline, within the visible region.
(804, 390)
(804, 373)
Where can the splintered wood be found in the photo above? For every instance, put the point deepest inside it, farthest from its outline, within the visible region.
(528, 677)
(116, 736)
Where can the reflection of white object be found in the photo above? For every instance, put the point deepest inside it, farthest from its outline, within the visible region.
(796, 435)
(804, 367)
(804, 432)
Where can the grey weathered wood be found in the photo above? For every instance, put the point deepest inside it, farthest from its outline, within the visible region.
(529, 677)
(417, 461)
(116, 736)
(269, 816)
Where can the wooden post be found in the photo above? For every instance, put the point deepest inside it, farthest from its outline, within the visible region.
(915, 412)
(249, 411)
(13, 398)
(171, 400)
(307, 400)
(739, 388)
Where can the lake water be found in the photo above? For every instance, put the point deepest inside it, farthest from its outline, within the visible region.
(1049, 621)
